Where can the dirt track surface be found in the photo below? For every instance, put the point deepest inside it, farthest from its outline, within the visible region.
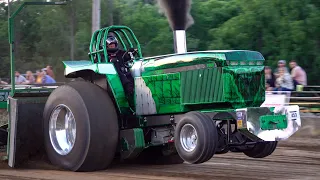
(288, 162)
(298, 158)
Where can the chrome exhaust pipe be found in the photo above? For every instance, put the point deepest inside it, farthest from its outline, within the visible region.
(180, 44)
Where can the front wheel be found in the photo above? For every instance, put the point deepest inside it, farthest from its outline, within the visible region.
(261, 149)
(80, 127)
(196, 137)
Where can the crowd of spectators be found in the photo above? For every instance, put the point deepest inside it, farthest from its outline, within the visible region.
(43, 76)
(281, 79)
(284, 80)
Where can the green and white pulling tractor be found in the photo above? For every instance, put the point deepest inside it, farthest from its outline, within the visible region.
(187, 106)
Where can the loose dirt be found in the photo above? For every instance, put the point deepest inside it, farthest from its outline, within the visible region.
(289, 161)
(298, 158)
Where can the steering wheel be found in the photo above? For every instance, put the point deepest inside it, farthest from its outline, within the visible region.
(128, 64)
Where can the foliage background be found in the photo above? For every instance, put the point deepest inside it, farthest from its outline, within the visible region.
(278, 29)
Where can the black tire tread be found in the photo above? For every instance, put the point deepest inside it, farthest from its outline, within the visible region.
(104, 132)
(261, 150)
(211, 136)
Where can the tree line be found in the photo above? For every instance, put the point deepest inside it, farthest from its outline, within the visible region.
(278, 29)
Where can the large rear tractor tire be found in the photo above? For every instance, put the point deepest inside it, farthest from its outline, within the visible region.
(80, 127)
(196, 137)
(261, 149)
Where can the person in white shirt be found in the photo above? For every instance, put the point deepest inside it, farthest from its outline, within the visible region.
(298, 75)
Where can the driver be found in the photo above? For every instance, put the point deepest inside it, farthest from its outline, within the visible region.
(119, 57)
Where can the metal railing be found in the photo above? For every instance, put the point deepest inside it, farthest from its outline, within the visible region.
(307, 98)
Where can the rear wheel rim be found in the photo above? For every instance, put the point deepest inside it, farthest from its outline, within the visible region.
(188, 137)
(62, 129)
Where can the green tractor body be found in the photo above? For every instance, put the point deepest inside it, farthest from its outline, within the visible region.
(186, 107)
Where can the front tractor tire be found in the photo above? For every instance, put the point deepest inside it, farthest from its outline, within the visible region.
(261, 149)
(196, 137)
(80, 127)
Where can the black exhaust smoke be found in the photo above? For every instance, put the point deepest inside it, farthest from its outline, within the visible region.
(177, 13)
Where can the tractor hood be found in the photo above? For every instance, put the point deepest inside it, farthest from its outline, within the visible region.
(202, 80)
(198, 59)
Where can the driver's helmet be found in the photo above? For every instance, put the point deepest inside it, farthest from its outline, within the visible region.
(112, 40)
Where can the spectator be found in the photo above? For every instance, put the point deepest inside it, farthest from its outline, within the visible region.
(39, 77)
(281, 64)
(19, 79)
(270, 78)
(298, 75)
(50, 71)
(46, 79)
(284, 81)
(30, 77)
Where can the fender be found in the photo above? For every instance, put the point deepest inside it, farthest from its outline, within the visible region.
(73, 69)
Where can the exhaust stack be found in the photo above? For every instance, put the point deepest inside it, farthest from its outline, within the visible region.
(180, 44)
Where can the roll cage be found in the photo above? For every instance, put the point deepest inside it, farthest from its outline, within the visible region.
(98, 44)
